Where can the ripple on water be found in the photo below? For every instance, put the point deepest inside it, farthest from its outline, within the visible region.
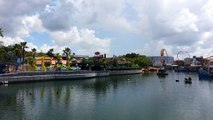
(118, 97)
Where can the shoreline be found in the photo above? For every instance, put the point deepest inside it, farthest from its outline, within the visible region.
(24, 77)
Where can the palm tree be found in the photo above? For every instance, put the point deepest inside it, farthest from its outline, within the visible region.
(17, 49)
(58, 64)
(23, 46)
(3, 54)
(67, 52)
(50, 52)
(58, 56)
(1, 33)
(33, 52)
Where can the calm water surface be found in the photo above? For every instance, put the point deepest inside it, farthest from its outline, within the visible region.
(135, 97)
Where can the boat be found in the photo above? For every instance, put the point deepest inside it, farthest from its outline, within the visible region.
(162, 72)
(153, 69)
(188, 80)
(145, 70)
(206, 71)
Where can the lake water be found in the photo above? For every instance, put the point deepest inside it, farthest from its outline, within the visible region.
(132, 97)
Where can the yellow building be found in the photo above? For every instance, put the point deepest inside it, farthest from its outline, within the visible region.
(50, 60)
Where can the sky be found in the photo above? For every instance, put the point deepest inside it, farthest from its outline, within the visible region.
(114, 27)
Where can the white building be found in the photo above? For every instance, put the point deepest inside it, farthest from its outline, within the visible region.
(162, 60)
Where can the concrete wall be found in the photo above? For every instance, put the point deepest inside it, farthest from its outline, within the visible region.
(124, 72)
(44, 76)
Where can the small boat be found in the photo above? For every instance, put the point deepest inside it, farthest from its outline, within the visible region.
(162, 72)
(145, 69)
(188, 80)
(153, 69)
(206, 72)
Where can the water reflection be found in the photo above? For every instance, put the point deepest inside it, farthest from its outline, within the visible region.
(116, 97)
(28, 99)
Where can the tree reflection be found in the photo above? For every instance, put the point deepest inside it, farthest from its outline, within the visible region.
(67, 94)
(57, 92)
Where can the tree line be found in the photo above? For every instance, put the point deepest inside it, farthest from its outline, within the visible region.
(15, 52)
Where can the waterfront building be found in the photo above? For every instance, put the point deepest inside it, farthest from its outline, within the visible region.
(162, 60)
(97, 56)
(188, 61)
(50, 60)
(77, 59)
(53, 61)
(196, 61)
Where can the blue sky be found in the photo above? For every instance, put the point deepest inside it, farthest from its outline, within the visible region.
(111, 27)
(39, 38)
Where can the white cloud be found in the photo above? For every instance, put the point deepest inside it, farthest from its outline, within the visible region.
(32, 24)
(31, 46)
(82, 41)
(13, 12)
(44, 48)
(48, 8)
(104, 14)
(185, 21)
(155, 47)
(26, 25)
(11, 41)
(208, 9)
(174, 25)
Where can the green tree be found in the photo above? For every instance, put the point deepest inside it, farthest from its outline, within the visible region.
(41, 54)
(58, 64)
(33, 52)
(67, 52)
(138, 60)
(142, 61)
(7, 54)
(103, 62)
(131, 55)
(58, 57)
(31, 61)
(17, 49)
(3, 54)
(115, 62)
(23, 47)
(50, 52)
(68, 63)
(1, 34)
